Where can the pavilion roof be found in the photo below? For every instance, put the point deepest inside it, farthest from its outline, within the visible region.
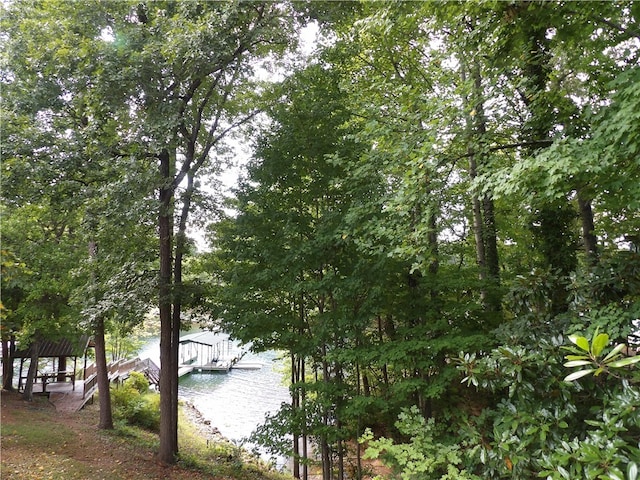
(66, 347)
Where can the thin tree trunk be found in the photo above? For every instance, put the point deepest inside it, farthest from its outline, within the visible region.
(305, 438)
(295, 403)
(588, 230)
(104, 393)
(324, 443)
(8, 348)
(178, 293)
(359, 391)
(488, 232)
(484, 224)
(33, 368)
(478, 231)
(340, 452)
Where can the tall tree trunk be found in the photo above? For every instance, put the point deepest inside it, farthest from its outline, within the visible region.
(551, 222)
(177, 291)
(33, 369)
(104, 393)
(102, 373)
(359, 391)
(481, 257)
(295, 404)
(589, 238)
(305, 438)
(8, 348)
(325, 451)
(168, 361)
(484, 223)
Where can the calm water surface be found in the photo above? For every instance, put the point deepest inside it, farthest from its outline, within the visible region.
(235, 402)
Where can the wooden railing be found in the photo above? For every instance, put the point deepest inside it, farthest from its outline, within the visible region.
(90, 370)
(120, 370)
(151, 371)
(90, 385)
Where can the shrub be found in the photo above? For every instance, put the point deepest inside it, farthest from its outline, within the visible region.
(138, 381)
(135, 404)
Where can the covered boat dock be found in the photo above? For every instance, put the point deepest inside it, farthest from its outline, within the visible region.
(210, 352)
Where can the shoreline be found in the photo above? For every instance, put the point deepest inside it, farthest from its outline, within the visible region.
(204, 427)
(213, 435)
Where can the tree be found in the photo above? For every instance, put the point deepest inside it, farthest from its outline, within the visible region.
(193, 95)
(290, 282)
(448, 108)
(173, 77)
(39, 302)
(63, 110)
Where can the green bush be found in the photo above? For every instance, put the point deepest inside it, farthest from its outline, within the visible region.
(135, 404)
(138, 381)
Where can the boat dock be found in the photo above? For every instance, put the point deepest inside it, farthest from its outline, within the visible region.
(211, 352)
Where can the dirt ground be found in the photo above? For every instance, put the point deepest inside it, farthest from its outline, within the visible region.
(37, 442)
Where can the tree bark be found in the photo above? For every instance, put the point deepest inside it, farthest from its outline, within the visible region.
(295, 404)
(176, 314)
(484, 222)
(104, 392)
(325, 451)
(8, 348)
(588, 230)
(478, 231)
(168, 361)
(552, 221)
(305, 438)
(491, 240)
(33, 369)
(62, 367)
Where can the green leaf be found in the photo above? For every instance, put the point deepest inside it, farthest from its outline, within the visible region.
(577, 357)
(615, 474)
(577, 363)
(564, 472)
(599, 343)
(579, 374)
(625, 362)
(614, 352)
(581, 342)
(632, 471)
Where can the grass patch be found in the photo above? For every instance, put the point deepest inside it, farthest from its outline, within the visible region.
(39, 443)
(33, 429)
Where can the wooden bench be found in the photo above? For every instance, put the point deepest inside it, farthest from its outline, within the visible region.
(50, 377)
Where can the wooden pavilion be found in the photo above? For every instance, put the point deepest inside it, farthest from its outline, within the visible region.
(57, 360)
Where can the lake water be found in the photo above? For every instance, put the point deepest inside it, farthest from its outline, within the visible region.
(235, 402)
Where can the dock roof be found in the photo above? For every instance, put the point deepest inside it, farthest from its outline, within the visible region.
(204, 338)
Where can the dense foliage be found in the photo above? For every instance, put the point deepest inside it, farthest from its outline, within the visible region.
(135, 404)
(442, 198)
(439, 222)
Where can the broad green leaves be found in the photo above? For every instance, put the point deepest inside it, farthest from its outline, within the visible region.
(590, 354)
